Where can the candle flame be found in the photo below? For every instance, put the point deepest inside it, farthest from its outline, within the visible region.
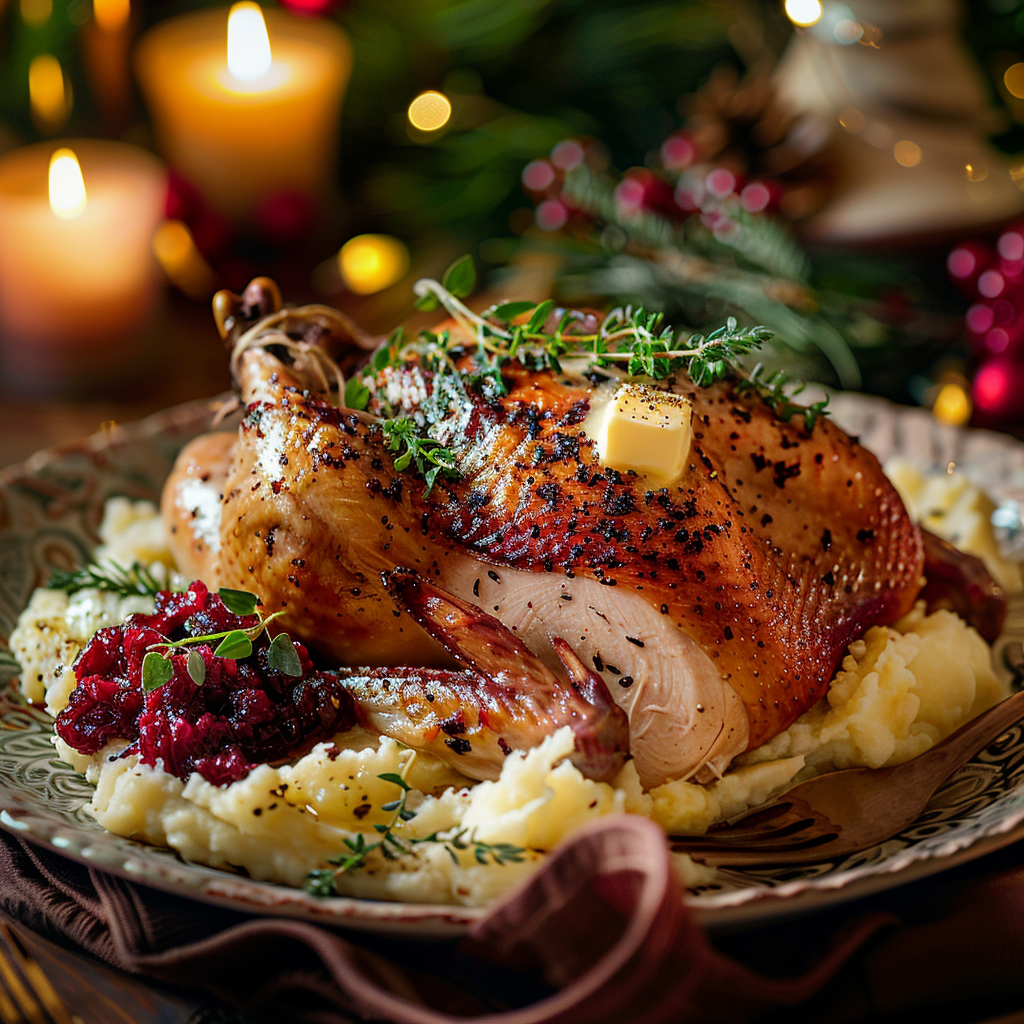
(182, 261)
(248, 43)
(49, 95)
(67, 187)
(804, 12)
(111, 15)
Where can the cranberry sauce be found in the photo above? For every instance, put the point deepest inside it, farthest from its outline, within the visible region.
(245, 712)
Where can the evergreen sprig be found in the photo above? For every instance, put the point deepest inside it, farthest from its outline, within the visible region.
(758, 268)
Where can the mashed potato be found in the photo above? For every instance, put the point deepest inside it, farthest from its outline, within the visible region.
(899, 691)
(957, 510)
(55, 627)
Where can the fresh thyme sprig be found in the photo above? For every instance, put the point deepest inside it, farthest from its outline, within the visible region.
(772, 391)
(634, 343)
(112, 577)
(637, 338)
(323, 881)
(157, 667)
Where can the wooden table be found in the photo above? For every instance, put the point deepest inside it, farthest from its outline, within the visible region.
(97, 994)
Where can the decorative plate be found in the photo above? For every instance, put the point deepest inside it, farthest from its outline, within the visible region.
(51, 507)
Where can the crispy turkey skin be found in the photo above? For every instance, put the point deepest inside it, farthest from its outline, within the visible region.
(716, 610)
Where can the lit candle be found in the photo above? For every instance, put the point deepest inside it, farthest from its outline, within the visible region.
(77, 276)
(106, 43)
(245, 108)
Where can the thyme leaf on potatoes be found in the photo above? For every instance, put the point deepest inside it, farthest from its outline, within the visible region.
(323, 881)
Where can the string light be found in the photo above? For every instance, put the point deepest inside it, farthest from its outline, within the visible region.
(67, 186)
(371, 263)
(430, 111)
(804, 12)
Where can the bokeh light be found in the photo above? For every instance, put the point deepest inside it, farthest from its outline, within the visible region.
(961, 263)
(952, 405)
(538, 175)
(720, 182)
(755, 197)
(991, 284)
(430, 111)
(994, 387)
(67, 187)
(1013, 79)
(249, 55)
(1011, 245)
(551, 215)
(35, 13)
(907, 153)
(677, 152)
(567, 155)
(980, 318)
(804, 12)
(371, 263)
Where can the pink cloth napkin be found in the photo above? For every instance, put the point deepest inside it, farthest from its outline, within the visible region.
(600, 935)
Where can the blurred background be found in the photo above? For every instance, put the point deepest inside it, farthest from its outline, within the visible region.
(848, 173)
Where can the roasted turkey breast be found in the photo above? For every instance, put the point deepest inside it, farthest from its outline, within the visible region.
(715, 609)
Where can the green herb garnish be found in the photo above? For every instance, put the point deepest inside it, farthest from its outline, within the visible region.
(156, 670)
(634, 342)
(772, 391)
(196, 667)
(430, 457)
(110, 576)
(283, 657)
(322, 881)
(157, 667)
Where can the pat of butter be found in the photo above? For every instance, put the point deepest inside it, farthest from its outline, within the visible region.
(645, 430)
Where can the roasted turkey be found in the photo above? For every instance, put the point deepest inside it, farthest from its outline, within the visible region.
(715, 610)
